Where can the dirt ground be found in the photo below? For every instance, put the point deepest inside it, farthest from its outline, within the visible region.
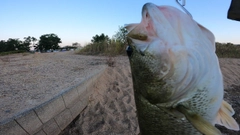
(28, 80)
(112, 108)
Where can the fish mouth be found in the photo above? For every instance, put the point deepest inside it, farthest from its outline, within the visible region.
(151, 16)
(140, 33)
(144, 35)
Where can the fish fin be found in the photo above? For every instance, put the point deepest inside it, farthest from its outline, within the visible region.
(224, 117)
(198, 122)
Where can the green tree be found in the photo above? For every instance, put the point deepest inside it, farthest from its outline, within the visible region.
(14, 44)
(3, 46)
(33, 41)
(99, 43)
(100, 38)
(120, 35)
(47, 42)
(76, 44)
(120, 39)
(26, 43)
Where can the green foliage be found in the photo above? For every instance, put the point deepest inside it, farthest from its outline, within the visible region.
(227, 50)
(47, 42)
(99, 45)
(120, 35)
(103, 45)
(3, 46)
(111, 48)
(100, 39)
(14, 44)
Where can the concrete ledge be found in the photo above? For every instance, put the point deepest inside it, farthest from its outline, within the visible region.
(12, 128)
(51, 128)
(51, 109)
(27, 121)
(63, 119)
(41, 132)
(51, 117)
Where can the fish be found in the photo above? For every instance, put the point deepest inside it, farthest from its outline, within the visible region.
(177, 80)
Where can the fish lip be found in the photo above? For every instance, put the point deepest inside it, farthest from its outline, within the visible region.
(147, 6)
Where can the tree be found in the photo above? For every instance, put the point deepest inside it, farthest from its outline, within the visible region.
(47, 42)
(14, 44)
(26, 43)
(76, 44)
(3, 46)
(120, 35)
(33, 41)
(100, 39)
(120, 40)
(99, 43)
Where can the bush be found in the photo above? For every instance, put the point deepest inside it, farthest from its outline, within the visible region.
(227, 50)
(223, 50)
(111, 48)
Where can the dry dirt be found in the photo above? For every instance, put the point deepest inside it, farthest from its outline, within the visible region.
(112, 109)
(27, 80)
(24, 83)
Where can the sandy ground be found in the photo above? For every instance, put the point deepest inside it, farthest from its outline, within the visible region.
(112, 108)
(27, 80)
(231, 71)
(24, 83)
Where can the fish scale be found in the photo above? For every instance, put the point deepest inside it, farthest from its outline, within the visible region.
(151, 118)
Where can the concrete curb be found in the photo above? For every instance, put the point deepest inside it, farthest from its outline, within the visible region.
(51, 117)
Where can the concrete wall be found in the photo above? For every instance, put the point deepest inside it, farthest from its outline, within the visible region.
(51, 117)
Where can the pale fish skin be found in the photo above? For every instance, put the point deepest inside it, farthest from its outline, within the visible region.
(178, 84)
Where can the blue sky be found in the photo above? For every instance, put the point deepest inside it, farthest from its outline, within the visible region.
(80, 20)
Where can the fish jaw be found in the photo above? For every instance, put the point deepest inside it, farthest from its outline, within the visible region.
(156, 24)
(169, 25)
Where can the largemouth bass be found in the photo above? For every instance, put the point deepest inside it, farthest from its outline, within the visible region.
(178, 84)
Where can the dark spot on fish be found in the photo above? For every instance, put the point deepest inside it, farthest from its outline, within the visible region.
(147, 15)
(142, 53)
(129, 51)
